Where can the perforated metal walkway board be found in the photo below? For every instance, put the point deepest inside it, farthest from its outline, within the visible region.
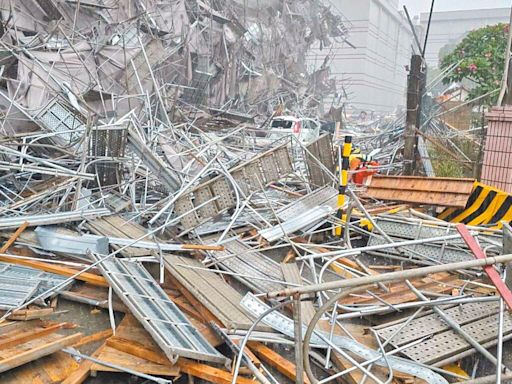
(480, 320)
(58, 118)
(320, 150)
(302, 214)
(25, 276)
(164, 321)
(220, 222)
(304, 220)
(322, 196)
(443, 251)
(285, 325)
(14, 292)
(252, 268)
(250, 176)
(409, 230)
(208, 288)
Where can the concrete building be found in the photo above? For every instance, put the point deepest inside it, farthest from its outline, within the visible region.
(450, 27)
(372, 72)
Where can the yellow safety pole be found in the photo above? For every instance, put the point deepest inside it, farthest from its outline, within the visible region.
(343, 167)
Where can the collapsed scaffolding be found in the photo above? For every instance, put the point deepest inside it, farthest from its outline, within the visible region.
(136, 177)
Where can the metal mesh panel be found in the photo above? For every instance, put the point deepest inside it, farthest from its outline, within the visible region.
(57, 118)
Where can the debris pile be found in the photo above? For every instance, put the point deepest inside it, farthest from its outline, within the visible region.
(159, 221)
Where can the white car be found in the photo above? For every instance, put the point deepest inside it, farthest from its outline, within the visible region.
(304, 129)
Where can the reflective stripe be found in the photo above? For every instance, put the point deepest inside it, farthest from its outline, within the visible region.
(343, 179)
(469, 209)
(486, 206)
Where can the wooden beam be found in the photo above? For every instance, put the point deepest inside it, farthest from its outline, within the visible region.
(31, 314)
(208, 373)
(203, 247)
(13, 238)
(9, 326)
(201, 371)
(136, 349)
(51, 369)
(31, 334)
(93, 338)
(275, 360)
(250, 354)
(39, 351)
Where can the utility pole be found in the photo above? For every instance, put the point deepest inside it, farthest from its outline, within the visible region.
(415, 84)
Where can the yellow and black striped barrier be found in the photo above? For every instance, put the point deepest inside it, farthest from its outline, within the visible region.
(344, 164)
(485, 206)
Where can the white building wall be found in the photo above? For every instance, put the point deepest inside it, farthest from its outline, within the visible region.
(373, 74)
(449, 27)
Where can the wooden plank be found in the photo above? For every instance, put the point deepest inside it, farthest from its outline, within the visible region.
(123, 359)
(129, 333)
(31, 334)
(137, 342)
(93, 338)
(205, 313)
(254, 359)
(441, 191)
(14, 236)
(104, 227)
(9, 326)
(275, 360)
(35, 352)
(136, 349)
(202, 371)
(182, 302)
(201, 247)
(51, 369)
(211, 374)
(30, 314)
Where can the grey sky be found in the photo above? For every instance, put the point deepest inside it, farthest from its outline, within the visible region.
(417, 6)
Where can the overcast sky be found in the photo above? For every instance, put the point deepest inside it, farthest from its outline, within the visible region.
(416, 6)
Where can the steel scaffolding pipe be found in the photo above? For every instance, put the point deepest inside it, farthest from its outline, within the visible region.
(392, 276)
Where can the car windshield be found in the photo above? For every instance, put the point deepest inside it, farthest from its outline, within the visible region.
(282, 124)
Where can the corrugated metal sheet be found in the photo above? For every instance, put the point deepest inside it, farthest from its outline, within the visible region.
(441, 191)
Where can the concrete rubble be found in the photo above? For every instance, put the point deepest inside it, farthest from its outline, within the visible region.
(139, 184)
